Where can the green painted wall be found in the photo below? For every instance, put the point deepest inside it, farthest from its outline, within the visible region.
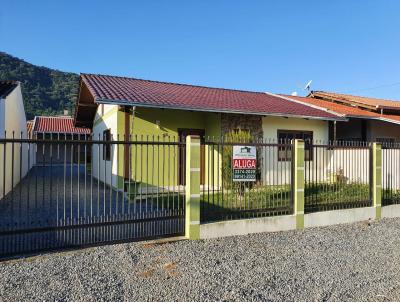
(157, 165)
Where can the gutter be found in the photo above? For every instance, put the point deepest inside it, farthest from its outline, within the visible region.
(375, 119)
(130, 103)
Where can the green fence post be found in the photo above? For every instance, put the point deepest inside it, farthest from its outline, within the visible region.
(298, 182)
(376, 181)
(192, 189)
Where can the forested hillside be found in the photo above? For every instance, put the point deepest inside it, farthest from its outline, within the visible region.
(46, 91)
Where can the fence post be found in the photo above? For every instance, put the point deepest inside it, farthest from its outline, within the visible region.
(298, 181)
(192, 189)
(376, 181)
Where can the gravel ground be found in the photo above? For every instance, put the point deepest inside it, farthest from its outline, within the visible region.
(357, 262)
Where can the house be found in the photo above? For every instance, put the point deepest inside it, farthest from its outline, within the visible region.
(12, 124)
(119, 108)
(369, 119)
(57, 128)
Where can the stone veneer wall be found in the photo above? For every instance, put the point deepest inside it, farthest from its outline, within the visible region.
(253, 123)
(240, 121)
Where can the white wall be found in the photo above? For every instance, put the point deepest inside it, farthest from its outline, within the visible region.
(104, 170)
(328, 165)
(391, 168)
(2, 116)
(271, 125)
(13, 115)
(279, 172)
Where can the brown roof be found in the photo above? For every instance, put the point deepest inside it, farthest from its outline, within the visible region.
(346, 110)
(57, 124)
(372, 103)
(145, 93)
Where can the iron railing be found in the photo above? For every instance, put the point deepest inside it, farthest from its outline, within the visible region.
(222, 198)
(390, 173)
(337, 176)
(60, 193)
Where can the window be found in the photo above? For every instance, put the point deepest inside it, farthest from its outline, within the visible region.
(107, 147)
(285, 136)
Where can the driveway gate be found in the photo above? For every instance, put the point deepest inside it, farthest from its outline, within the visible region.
(57, 193)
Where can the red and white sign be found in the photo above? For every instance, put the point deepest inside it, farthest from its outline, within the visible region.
(244, 163)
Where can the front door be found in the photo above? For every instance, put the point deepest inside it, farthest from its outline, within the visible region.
(183, 133)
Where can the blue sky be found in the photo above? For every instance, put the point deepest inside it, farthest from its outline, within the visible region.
(276, 46)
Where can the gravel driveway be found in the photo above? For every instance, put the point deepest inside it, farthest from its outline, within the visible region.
(357, 262)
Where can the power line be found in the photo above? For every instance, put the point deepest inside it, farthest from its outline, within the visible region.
(375, 87)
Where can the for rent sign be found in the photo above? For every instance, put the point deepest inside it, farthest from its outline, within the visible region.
(244, 163)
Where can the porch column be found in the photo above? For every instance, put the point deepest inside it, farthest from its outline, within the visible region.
(298, 182)
(376, 178)
(192, 189)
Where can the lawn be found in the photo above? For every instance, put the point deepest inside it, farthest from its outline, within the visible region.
(260, 201)
(272, 200)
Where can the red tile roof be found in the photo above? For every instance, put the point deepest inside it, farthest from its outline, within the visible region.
(358, 100)
(137, 92)
(346, 110)
(29, 126)
(57, 124)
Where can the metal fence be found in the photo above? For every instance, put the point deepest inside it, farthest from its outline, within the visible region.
(390, 173)
(222, 198)
(64, 193)
(58, 193)
(337, 175)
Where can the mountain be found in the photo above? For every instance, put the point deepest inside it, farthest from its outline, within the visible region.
(46, 91)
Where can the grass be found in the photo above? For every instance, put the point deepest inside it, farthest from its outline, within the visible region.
(267, 200)
(390, 196)
(258, 197)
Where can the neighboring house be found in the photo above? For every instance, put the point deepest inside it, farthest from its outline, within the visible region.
(370, 119)
(29, 128)
(12, 124)
(119, 107)
(58, 128)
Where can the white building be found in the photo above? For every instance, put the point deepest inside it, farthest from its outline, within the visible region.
(13, 156)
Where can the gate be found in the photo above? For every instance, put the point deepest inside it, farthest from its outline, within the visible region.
(58, 193)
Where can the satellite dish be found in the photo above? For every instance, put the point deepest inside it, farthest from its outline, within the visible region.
(307, 87)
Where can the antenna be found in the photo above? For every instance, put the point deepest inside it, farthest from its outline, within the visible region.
(308, 86)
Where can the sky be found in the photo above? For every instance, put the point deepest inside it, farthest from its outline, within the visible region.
(276, 46)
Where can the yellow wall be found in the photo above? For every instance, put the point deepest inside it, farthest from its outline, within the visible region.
(151, 165)
(155, 166)
(158, 165)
